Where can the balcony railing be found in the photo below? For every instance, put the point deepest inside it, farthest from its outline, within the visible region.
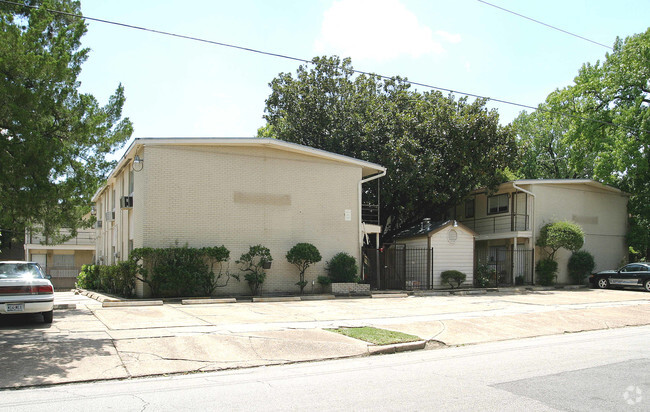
(84, 237)
(370, 214)
(63, 271)
(498, 224)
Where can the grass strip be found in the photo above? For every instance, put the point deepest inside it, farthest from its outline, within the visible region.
(375, 335)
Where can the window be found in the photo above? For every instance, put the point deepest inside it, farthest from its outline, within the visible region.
(498, 204)
(469, 208)
(131, 179)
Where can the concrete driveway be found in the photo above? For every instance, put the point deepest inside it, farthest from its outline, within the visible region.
(91, 342)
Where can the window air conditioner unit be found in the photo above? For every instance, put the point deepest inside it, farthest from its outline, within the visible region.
(98, 224)
(126, 202)
(110, 216)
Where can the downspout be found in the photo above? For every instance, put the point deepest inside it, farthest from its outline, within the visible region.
(532, 223)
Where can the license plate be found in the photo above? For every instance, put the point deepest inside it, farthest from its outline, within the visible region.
(15, 307)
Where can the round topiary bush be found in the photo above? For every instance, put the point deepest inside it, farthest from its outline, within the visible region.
(453, 276)
(581, 263)
(342, 268)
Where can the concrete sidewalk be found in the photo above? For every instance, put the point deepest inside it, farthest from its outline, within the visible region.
(93, 343)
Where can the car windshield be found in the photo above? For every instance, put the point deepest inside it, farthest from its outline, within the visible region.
(20, 271)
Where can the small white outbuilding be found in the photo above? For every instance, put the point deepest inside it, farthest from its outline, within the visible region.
(452, 246)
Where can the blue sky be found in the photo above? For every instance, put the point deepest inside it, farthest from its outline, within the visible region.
(179, 88)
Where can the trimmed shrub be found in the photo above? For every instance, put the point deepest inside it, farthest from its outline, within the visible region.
(324, 280)
(451, 276)
(561, 234)
(182, 271)
(88, 278)
(303, 255)
(484, 276)
(252, 264)
(342, 268)
(581, 264)
(546, 271)
(118, 279)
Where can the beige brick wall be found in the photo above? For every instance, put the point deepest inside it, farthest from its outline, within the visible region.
(242, 196)
(601, 214)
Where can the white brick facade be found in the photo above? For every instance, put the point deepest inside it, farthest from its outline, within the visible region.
(236, 192)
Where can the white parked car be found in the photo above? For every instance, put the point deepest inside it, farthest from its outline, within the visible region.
(24, 288)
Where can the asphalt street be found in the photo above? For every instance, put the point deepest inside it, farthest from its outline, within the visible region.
(591, 371)
(89, 342)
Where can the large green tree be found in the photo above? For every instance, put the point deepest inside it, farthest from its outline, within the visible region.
(436, 148)
(599, 128)
(53, 139)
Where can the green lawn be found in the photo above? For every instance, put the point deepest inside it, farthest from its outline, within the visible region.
(376, 336)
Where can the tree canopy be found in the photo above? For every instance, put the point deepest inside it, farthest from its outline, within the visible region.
(53, 139)
(599, 128)
(436, 149)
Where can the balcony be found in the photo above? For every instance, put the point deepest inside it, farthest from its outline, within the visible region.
(498, 224)
(84, 237)
(370, 214)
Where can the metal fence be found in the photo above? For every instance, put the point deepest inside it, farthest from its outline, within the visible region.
(399, 268)
(506, 267)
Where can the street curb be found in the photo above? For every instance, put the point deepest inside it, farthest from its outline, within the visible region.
(397, 347)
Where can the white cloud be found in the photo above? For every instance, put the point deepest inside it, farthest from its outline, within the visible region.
(375, 29)
(451, 38)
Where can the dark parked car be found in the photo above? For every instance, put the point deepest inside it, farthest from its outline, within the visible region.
(632, 274)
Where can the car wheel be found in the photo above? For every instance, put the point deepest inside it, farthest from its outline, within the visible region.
(48, 316)
(602, 283)
(646, 285)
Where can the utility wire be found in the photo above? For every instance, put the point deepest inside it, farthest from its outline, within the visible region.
(216, 43)
(544, 24)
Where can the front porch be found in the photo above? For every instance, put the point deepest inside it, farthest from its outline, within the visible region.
(511, 261)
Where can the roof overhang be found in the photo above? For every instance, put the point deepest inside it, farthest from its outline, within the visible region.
(432, 231)
(532, 182)
(367, 168)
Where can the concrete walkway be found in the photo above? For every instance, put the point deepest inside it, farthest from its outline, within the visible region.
(93, 342)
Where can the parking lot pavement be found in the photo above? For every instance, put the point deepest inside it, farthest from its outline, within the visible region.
(70, 298)
(92, 342)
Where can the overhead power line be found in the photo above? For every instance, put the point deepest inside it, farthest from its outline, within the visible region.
(306, 61)
(544, 24)
(283, 56)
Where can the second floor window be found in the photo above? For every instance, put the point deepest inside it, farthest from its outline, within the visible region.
(498, 204)
(469, 208)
